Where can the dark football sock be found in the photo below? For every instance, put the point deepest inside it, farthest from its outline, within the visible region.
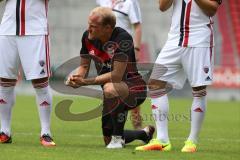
(119, 116)
(131, 135)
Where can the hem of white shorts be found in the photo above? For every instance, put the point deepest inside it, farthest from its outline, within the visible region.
(8, 77)
(36, 77)
(202, 84)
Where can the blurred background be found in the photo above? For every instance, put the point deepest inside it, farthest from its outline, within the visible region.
(68, 20)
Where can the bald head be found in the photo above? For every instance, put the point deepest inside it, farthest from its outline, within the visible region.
(104, 16)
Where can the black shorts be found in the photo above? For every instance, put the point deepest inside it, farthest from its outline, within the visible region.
(137, 93)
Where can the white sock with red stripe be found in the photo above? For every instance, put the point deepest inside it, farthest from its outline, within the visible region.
(160, 109)
(44, 102)
(197, 114)
(7, 101)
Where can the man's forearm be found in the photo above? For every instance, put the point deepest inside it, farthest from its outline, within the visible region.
(104, 78)
(83, 71)
(209, 7)
(84, 67)
(99, 80)
(137, 35)
(165, 4)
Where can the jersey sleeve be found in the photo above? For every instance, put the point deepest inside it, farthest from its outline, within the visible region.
(125, 50)
(135, 12)
(84, 51)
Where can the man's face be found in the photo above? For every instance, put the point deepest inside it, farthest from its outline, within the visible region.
(95, 28)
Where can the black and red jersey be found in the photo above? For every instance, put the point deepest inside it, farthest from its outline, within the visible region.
(120, 47)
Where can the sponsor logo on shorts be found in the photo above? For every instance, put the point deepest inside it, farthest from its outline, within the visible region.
(206, 69)
(41, 63)
(208, 79)
(43, 71)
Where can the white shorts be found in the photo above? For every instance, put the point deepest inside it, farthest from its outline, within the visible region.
(176, 64)
(32, 52)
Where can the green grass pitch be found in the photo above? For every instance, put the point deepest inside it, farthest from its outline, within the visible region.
(219, 139)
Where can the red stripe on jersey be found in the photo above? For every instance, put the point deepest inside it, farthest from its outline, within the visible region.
(22, 17)
(211, 29)
(46, 7)
(211, 37)
(187, 22)
(46, 10)
(211, 53)
(102, 56)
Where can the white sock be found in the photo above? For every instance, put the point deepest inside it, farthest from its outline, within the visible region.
(197, 115)
(7, 101)
(160, 109)
(44, 102)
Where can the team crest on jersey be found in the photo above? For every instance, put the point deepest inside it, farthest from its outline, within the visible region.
(120, 6)
(119, 3)
(110, 47)
(206, 69)
(41, 63)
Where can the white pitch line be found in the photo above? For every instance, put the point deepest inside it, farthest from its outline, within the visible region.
(174, 138)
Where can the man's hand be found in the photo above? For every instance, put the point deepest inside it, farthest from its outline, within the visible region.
(75, 81)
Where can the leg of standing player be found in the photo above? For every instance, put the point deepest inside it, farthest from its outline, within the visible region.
(7, 101)
(199, 76)
(37, 69)
(44, 103)
(166, 69)
(9, 63)
(160, 110)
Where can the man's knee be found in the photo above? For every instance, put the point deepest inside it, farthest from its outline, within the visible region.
(109, 90)
(40, 83)
(4, 82)
(156, 84)
(200, 91)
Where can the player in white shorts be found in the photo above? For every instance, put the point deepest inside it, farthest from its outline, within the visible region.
(187, 54)
(128, 14)
(24, 40)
